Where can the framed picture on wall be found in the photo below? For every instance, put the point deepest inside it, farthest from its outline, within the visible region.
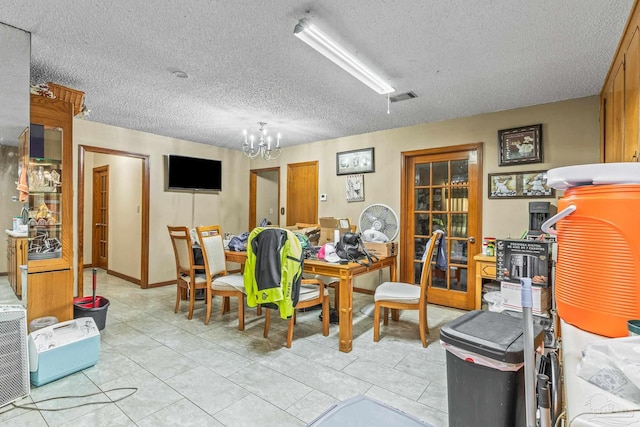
(519, 185)
(503, 185)
(520, 145)
(355, 188)
(534, 184)
(355, 161)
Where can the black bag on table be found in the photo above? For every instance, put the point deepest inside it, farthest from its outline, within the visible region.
(351, 248)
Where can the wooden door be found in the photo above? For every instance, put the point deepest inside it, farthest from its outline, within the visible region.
(612, 116)
(615, 153)
(100, 249)
(257, 188)
(606, 123)
(302, 193)
(631, 99)
(442, 189)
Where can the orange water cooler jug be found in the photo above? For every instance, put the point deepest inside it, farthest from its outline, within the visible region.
(597, 284)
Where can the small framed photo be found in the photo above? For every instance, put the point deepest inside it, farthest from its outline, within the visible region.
(534, 184)
(355, 161)
(355, 188)
(519, 185)
(503, 186)
(520, 145)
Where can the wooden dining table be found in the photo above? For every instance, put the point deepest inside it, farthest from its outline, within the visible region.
(346, 273)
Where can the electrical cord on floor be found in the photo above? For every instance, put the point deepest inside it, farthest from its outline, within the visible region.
(623, 411)
(132, 389)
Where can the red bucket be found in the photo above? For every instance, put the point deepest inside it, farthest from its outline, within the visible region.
(85, 307)
(87, 302)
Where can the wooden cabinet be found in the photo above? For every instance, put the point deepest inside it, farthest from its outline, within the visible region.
(620, 99)
(50, 232)
(48, 294)
(16, 256)
(485, 269)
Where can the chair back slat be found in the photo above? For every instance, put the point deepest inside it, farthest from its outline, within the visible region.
(212, 246)
(429, 251)
(181, 241)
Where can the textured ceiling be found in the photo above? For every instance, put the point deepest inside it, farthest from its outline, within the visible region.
(460, 57)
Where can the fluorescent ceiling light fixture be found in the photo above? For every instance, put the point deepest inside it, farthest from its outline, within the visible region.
(311, 35)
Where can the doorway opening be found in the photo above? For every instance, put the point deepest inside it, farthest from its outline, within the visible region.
(264, 196)
(143, 282)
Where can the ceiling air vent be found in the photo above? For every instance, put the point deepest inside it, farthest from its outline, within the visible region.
(403, 97)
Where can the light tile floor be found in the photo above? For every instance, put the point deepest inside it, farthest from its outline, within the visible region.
(191, 374)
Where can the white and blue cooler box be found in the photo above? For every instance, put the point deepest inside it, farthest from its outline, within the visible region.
(62, 349)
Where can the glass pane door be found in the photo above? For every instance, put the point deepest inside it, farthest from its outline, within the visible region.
(439, 187)
(442, 204)
(45, 193)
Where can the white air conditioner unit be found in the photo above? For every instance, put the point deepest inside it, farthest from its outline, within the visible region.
(14, 354)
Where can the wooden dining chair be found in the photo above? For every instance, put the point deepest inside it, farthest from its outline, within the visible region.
(189, 276)
(219, 281)
(311, 292)
(406, 296)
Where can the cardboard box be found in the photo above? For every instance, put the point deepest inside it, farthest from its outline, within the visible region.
(511, 294)
(516, 259)
(328, 225)
(382, 250)
(309, 230)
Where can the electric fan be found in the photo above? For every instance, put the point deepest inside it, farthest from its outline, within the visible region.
(378, 223)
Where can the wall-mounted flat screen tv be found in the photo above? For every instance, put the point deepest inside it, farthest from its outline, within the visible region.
(192, 174)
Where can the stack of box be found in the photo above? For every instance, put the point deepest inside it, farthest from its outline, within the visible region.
(328, 227)
(516, 259)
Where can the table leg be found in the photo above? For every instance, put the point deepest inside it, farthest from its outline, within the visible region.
(345, 311)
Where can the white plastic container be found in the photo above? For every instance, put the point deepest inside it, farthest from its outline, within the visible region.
(494, 301)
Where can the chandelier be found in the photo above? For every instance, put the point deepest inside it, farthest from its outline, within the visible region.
(263, 147)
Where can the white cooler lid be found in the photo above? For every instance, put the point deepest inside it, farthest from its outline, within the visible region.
(593, 174)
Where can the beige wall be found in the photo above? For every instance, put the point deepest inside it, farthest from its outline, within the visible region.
(570, 136)
(229, 208)
(125, 218)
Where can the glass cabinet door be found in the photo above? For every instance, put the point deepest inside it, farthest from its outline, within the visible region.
(45, 192)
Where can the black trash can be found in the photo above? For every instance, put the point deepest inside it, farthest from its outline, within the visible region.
(485, 369)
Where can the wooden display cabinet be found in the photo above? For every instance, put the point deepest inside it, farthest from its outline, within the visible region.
(16, 256)
(50, 235)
